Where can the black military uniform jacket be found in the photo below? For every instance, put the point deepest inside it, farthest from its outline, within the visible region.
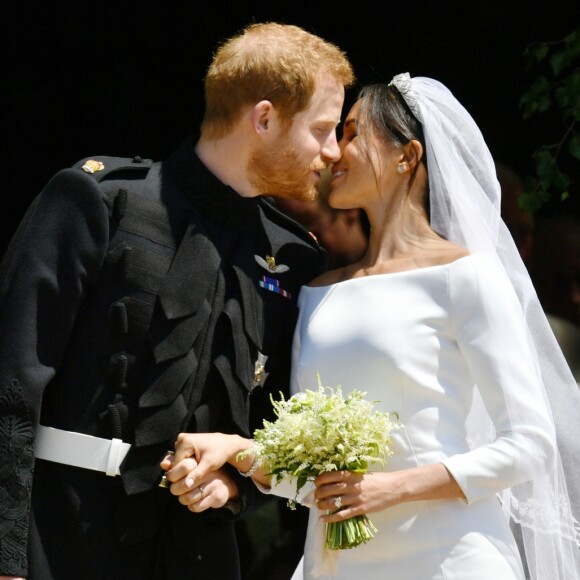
(136, 302)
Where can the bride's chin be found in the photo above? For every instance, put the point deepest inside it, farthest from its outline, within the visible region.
(336, 200)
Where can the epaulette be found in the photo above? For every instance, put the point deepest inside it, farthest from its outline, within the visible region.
(285, 221)
(101, 167)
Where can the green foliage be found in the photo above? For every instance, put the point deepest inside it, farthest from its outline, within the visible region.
(559, 88)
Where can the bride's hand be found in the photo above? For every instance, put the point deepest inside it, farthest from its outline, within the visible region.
(199, 454)
(376, 491)
(359, 494)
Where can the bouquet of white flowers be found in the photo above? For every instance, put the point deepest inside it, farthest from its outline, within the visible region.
(318, 431)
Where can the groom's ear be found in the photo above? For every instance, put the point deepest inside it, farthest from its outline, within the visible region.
(262, 118)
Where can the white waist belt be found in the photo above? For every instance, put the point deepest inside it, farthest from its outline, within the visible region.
(80, 450)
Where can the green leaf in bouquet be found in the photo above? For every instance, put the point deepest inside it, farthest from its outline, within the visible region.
(322, 430)
(301, 482)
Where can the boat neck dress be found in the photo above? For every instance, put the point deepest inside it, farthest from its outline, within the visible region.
(417, 342)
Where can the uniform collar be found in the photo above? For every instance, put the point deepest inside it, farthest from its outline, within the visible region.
(217, 201)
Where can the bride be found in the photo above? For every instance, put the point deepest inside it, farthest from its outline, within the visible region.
(438, 321)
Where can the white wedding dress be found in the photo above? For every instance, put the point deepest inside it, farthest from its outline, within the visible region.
(418, 341)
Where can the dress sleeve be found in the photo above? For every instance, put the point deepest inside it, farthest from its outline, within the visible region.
(56, 253)
(490, 330)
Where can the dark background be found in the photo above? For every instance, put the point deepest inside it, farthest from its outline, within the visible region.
(125, 78)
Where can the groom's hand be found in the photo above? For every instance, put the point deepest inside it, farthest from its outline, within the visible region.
(195, 473)
(197, 455)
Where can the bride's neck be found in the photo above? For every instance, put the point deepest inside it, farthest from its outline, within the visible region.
(398, 231)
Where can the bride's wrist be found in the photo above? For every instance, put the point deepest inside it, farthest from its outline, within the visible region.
(239, 445)
(249, 469)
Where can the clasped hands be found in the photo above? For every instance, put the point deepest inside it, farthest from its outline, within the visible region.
(195, 471)
(196, 476)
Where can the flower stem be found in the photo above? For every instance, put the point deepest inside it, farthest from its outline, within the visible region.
(349, 533)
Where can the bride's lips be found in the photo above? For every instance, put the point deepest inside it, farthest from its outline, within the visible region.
(336, 173)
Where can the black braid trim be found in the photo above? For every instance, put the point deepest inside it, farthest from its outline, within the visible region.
(16, 469)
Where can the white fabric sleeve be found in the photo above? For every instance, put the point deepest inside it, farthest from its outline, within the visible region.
(287, 488)
(488, 323)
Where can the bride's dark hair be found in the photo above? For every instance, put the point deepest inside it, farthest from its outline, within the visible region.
(384, 113)
(383, 109)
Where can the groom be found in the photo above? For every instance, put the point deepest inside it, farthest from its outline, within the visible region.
(141, 299)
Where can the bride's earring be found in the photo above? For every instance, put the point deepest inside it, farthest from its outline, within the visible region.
(400, 168)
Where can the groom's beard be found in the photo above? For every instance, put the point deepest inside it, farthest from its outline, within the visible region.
(280, 173)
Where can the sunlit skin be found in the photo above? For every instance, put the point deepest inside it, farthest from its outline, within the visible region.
(353, 179)
(198, 457)
(291, 166)
(366, 176)
(401, 239)
(268, 156)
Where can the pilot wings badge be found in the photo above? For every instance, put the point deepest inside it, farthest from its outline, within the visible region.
(270, 264)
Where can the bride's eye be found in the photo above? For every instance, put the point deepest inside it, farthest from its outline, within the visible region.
(348, 131)
(350, 135)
